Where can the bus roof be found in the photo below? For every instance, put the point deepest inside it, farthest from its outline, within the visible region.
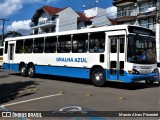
(71, 32)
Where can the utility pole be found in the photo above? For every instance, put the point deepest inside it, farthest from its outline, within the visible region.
(3, 22)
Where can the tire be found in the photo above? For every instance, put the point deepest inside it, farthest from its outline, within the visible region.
(98, 77)
(149, 82)
(23, 71)
(31, 71)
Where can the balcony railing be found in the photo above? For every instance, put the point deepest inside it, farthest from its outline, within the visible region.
(42, 23)
(151, 26)
(148, 8)
(127, 13)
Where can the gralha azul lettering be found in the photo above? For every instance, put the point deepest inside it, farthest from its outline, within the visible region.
(81, 60)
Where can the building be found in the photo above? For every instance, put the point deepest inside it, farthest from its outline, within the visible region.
(9, 35)
(50, 19)
(145, 13)
(137, 12)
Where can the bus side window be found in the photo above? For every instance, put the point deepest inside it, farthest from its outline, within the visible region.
(6, 47)
(97, 42)
(50, 44)
(38, 45)
(28, 46)
(122, 45)
(19, 46)
(80, 43)
(64, 44)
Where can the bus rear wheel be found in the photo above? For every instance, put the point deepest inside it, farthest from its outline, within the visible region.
(23, 71)
(31, 71)
(98, 77)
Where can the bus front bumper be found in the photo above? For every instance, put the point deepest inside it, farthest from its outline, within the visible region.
(139, 77)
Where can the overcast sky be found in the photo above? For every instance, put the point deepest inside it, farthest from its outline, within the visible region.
(20, 12)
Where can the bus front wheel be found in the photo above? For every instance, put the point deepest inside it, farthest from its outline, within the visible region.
(23, 71)
(31, 71)
(98, 77)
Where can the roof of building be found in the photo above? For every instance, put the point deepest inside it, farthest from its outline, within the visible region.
(53, 11)
(83, 17)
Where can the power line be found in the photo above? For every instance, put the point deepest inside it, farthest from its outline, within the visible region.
(3, 22)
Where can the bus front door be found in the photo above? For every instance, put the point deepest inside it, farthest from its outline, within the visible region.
(11, 55)
(117, 57)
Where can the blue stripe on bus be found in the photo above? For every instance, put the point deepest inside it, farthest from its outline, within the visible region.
(64, 71)
(84, 73)
(14, 67)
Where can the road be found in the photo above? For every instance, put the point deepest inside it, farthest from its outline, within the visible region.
(51, 93)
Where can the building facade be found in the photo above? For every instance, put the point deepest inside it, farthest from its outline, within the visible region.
(145, 13)
(50, 19)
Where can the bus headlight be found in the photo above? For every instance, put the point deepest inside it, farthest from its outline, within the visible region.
(133, 71)
(155, 71)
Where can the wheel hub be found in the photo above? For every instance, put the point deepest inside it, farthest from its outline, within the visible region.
(98, 76)
(30, 71)
(22, 70)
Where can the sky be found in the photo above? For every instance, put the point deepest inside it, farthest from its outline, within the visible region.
(20, 12)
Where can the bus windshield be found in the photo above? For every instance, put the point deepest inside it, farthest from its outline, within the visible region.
(141, 49)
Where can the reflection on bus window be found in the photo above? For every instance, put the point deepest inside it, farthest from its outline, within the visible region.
(50, 44)
(80, 43)
(38, 45)
(64, 44)
(97, 42)
(28, 46)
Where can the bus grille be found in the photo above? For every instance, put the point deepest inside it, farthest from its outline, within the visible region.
(145, 67)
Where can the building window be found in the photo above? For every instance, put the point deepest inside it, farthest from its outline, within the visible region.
(148, 23)
(147, 7)
(143, 23)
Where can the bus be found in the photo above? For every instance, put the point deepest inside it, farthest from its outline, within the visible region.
(119, 53)
(1, 56)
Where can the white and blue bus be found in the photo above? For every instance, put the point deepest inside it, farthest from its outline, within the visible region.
(114, 53)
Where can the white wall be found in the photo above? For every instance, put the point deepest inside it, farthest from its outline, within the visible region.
(67, 19)
(43, 17)
(100, 18)
(91, 12)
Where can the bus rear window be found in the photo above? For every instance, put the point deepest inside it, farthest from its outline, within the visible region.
(1, 51)
(6, 47)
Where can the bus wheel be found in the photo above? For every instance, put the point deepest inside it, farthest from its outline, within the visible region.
(23, 71)
(149, 82)
(31, 71)
(98, 77)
